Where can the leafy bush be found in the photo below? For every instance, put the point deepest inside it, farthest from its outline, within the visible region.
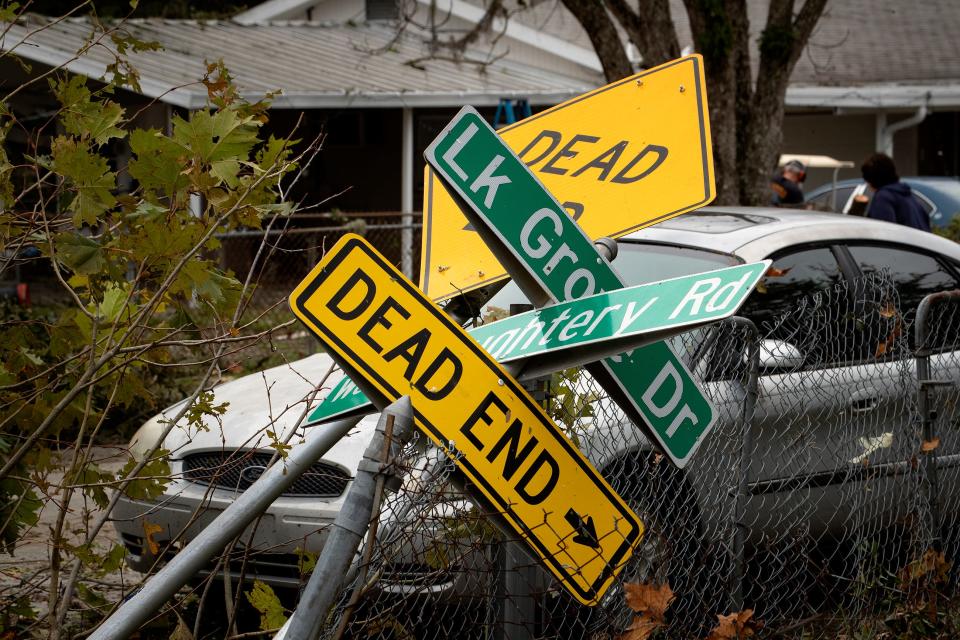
(139, 314)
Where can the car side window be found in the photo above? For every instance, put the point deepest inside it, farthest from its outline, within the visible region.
(787, 305)
(821, 202)
(915, 275)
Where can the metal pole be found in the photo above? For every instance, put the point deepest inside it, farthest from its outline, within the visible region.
(351, 524)
(406, 194)
(228, 525)
(928, 414)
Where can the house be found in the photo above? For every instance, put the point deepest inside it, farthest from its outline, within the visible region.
(877, 74)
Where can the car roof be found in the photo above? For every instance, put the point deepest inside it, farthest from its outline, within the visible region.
(754, 233)
(928, 181)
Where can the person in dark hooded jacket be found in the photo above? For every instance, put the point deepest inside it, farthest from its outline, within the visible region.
(893, 200)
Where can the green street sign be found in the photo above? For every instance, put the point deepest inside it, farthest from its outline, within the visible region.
(552, 260)
(653, 308)
(614, 316)
(344, 398)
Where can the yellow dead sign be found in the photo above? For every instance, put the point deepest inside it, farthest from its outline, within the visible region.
(383, 329)
(620, 158)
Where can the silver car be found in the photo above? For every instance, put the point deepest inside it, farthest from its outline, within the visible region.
(845, 406)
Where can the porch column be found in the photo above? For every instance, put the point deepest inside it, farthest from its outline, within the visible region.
(406, 195)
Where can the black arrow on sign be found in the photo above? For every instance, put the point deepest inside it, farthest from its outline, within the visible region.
(586, 532)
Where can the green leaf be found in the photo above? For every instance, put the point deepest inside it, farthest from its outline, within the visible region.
(114, 559)
(152, 479)
(222, 135)
(84, 117)
(79, 253)
(90, 596)
(264, 600)
(90, 176)
(114, 302)
(306, 561)
(208, 283)
(158, 162)
(8, 12)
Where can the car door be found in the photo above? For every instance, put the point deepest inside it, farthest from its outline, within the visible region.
(826, 411)
(917, 274)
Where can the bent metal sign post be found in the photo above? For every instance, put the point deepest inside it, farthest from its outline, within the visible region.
(595, 324)
(552, 260)
(383, 330)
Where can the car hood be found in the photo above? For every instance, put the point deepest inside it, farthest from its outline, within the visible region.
(265, 403)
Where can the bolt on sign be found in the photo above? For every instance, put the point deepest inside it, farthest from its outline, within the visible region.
(594, 323)
(552, 259)
(618, 159)
(381, 328)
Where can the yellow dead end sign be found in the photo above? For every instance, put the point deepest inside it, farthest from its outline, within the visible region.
(620, 158)
(386, 332)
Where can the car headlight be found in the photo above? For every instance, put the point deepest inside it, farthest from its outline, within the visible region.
(147, 436)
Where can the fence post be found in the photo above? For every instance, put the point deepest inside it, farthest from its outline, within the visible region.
(928, 413)
(515, 609)
(361, 505)
(746, 450)
(251, 503)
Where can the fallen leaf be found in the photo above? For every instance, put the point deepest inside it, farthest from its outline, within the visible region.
(650, 600)
(773, 272)
(887, 311)
(640, 629)
(735, 626)
(929, 445)
(182, 632)
(149, 529)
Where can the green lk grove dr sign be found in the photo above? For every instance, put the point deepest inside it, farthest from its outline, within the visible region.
(677, 303)
(552, 260)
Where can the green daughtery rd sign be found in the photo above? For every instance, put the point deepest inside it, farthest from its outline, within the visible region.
(552, 260)
(678, 303)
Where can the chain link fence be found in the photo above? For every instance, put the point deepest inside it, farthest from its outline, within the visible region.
(279, 256)
(822, 505)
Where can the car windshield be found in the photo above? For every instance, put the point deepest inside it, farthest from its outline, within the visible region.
(637, 263)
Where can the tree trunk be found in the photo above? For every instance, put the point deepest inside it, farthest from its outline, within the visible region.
(781, 43)
(746, 119)
(717, 34)
(649, 28)
(603, 36)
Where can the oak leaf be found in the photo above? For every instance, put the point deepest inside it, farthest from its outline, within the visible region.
(649, 600)
(739, 624)
(640, 629)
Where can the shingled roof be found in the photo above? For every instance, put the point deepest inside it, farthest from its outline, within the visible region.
(873, 54)
(314, 65)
